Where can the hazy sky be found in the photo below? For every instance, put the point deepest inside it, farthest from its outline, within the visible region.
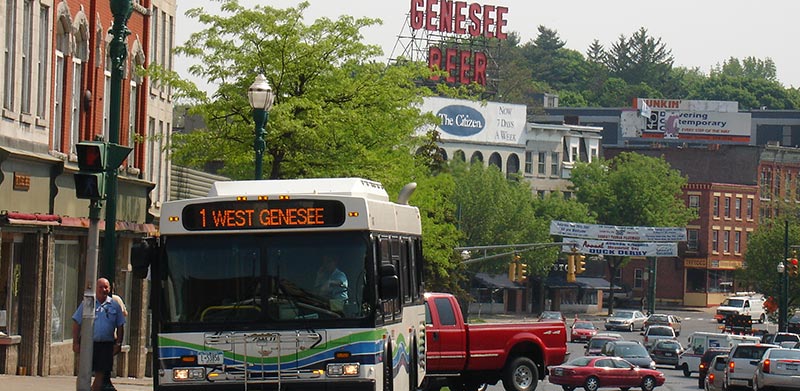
(700, 33)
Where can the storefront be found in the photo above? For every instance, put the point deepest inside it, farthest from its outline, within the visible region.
(708, 281)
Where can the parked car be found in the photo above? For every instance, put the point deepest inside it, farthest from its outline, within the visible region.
(742, 364)
(716, 373)
(582, 330)
(595, 344)
(793, 325)
(655, 333)
(552, 315)
(778, 369)
(631, 351)
(666, 352)
(705, 363)
(664, 320)
(594, 372)
(625, 320)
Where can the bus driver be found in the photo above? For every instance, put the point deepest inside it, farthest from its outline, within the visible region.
(331, 283)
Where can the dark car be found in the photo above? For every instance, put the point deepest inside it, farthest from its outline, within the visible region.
(552, 315)
(793, 325)
(706, 360)
(664, 320)
(666, 352)
(594, 372)
(595, 344)
(631, 351)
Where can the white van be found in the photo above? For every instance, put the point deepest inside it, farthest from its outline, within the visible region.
(742, 305)
(699, 342)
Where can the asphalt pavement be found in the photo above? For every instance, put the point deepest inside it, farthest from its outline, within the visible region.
(50, 383)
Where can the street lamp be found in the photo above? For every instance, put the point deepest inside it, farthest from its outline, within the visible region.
(261, 97)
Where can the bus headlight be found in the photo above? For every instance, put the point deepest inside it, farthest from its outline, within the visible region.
(183, 374)
(338, 369)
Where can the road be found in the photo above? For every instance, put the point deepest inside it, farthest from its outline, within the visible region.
(701, 320)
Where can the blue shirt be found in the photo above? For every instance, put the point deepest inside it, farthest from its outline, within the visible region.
(107, 317)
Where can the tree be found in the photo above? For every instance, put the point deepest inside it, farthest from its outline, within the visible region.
(631, 190)
(749, 67)
(640, 59)
(338, 111)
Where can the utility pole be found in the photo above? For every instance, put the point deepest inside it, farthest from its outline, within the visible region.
(121, 9)
(651, 285)
(783, 309)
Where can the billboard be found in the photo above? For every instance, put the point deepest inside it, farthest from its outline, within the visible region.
(686, 120)
(478, 122)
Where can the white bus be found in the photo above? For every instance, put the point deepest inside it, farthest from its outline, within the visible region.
(287, 284)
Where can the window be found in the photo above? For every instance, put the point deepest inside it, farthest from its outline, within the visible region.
(42, 62)
(27, 55)
(528, 162)
(727, 207)
(737, 237)
(133, 110)
(738, 208)
(696, 280)
(638, 278)
(575, 154)
(542, 163)
(60, 89)
(618, 276)
(715, 240)
(726, 238)
(720, 281)
(554, 164)
(65, 288)
(691, 242)
(77, 83)
(715, 211)
(154, 41)
(107, 96)
(592, 154)
(766, 183)
(749, 209)
(170, 36)
(694, 201)
(447, 317)
(10, 54)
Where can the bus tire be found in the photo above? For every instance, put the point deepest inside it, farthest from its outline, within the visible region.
(388, 370)
(520, 375)
(413, 359)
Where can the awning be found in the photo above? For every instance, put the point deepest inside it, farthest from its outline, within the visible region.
(17, 218)
(496, 281)
(559, 280)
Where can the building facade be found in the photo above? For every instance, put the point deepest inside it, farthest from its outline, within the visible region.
(56, 93)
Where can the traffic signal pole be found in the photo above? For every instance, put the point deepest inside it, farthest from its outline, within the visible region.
(121, 9)
(87, 319)
(783, 309)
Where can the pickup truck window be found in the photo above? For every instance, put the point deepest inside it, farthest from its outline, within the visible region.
(446, 315)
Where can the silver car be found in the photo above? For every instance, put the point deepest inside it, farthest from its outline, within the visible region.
(716, 373)
(626, 320)
(778, 369)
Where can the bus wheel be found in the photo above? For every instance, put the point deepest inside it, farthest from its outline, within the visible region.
(412, 366)
(388, 370)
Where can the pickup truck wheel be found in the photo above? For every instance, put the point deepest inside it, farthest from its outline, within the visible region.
(592, 384)
(521, 375)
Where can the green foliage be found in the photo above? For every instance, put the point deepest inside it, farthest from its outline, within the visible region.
(765, 249)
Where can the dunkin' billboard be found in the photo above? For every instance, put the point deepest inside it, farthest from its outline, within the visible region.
(459, 18)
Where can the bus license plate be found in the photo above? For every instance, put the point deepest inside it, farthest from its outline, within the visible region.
(214, 357)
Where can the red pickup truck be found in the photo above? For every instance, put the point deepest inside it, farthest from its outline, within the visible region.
(465, 356)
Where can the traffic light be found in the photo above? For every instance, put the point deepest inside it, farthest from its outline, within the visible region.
(580, 263)
(793, 267)
(512, 271)
(95, 158)
(571, 268)
(522, 272)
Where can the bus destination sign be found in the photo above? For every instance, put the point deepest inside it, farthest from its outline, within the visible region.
(237, 215)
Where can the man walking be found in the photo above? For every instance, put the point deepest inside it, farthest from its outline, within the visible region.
(107, 334)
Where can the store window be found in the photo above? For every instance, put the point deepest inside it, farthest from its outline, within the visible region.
(65, 288)
(696, 280)
(720, 281)
(10, 280)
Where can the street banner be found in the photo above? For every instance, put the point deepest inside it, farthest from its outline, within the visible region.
(622, 249)
(620, 233)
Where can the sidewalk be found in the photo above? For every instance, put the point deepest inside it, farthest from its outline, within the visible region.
(50, 383)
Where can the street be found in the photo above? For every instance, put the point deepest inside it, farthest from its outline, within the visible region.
(700, 320)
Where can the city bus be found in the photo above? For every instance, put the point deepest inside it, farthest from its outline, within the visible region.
(287, 285)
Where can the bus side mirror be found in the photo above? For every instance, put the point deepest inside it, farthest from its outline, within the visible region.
(143, 254)
(390, 284)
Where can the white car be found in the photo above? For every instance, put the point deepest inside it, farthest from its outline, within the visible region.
(778, 369)
(742, 362)
(654, 333)
(716, 373)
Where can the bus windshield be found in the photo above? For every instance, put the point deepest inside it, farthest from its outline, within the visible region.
(254, 278)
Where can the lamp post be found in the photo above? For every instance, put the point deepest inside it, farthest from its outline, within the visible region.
(261, 97)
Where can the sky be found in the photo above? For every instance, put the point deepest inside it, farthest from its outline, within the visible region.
(700, 33)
